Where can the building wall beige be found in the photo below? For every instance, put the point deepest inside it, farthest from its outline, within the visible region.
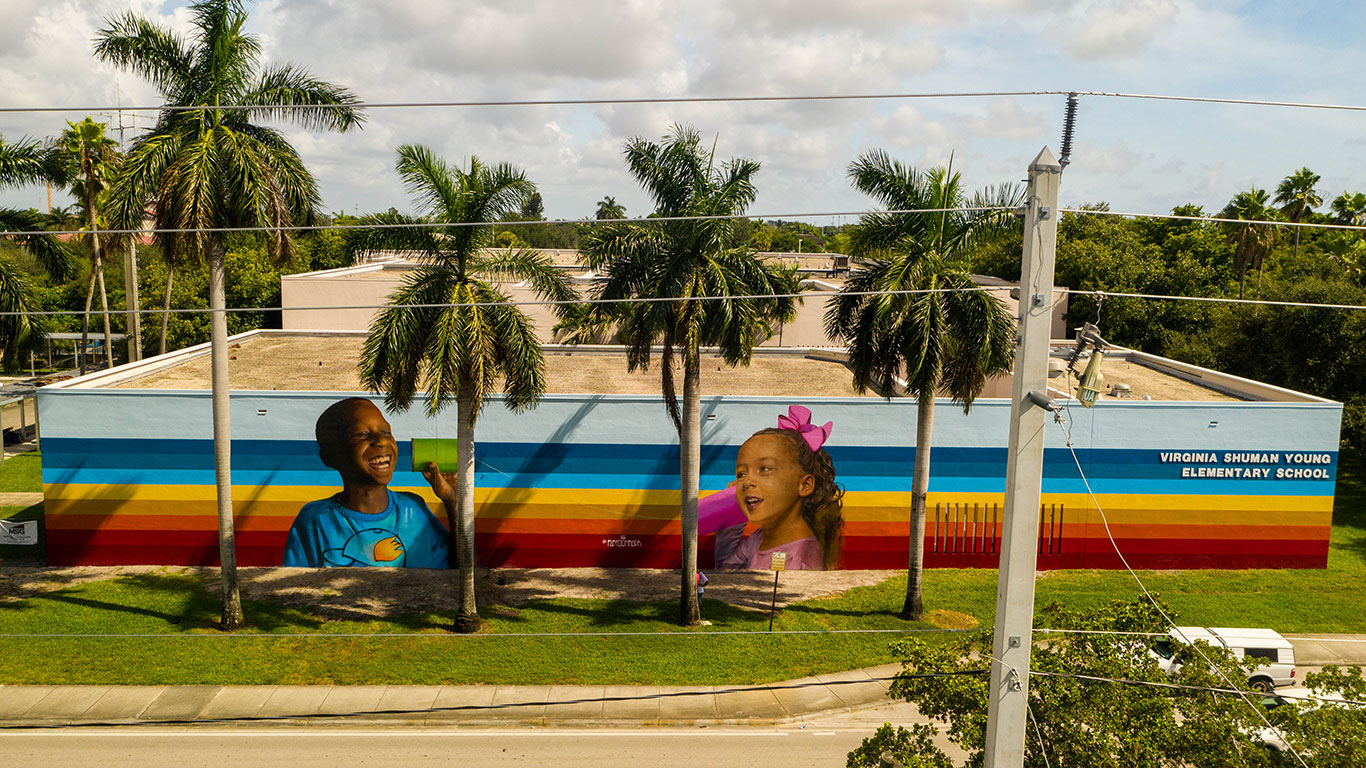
(349, 299)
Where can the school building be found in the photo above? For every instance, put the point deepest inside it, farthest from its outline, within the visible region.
(1192, 468)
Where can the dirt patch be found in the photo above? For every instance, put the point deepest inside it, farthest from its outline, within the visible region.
(370, 593)
(951, 620)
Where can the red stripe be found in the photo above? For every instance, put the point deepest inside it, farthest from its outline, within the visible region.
(558, 550)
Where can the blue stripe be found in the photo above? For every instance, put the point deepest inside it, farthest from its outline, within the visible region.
(648, 467)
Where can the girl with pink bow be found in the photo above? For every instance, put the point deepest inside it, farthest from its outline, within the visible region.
(785, 484)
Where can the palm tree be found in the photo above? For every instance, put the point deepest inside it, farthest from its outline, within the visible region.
(609, 208)
(1349, 208)
(203, 166)
(1297, 197)
(91, 159)
(1251, 241)
(21, 163)
(948, 339)
(464, 335)
(688, 260)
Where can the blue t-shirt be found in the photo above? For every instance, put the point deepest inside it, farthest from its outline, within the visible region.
(405, 535)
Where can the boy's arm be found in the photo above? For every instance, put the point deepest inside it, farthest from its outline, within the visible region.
(444, 486)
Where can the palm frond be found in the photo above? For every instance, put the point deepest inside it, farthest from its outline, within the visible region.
(51, 254)
(390, 234)
(289, 92)
(131, 42)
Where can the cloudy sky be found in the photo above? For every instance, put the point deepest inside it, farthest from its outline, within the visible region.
(1142, 156)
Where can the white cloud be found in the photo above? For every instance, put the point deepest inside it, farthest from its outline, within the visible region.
(435, 50)
(1117, 29)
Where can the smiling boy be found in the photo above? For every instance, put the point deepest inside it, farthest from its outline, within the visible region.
(366, 523)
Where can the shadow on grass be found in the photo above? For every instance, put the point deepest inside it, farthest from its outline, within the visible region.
(181, 602)
(597, 614)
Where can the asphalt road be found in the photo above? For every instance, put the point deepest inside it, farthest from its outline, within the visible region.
(790, 747)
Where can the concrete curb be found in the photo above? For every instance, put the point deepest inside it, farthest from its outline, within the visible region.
(437, 706)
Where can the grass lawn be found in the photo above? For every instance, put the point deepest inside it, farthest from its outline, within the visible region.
(179, 612)
(22, 473)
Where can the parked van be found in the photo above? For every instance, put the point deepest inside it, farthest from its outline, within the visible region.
(1250, 644)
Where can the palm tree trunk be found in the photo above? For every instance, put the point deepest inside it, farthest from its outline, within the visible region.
(104, 310)
(689, 473)
(166, 307)
(467, 616)
(85, 317)
(222, 437)
(914, 607)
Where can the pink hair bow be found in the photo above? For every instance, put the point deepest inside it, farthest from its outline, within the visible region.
(798, 419)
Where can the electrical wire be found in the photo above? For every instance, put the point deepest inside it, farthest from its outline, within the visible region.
(1034, 721)
(526, 303)
(648, 300)
(1064, 424)
(322, 716)
(665, 219)
(1203, 688)
(554, 102)
(1214, 299)
(699, 100)
(1216, 219)
(503, 635)
(510, 223)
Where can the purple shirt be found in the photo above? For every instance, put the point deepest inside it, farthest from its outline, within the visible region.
(735, 552)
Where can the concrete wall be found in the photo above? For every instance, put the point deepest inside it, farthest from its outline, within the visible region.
(370, 285)
(592, 479)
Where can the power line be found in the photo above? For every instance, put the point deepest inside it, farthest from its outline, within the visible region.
(527, 303)
(556, 102)
(667, 219)
(1215, 299)
(1179, 686)
(649, 300)
(1216, 219)
(510, 223)
(700, 100)
(500, 635)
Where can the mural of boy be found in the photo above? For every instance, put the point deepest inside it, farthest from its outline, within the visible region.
(366, 524)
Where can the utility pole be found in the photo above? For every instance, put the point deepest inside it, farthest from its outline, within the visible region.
(130, 257)
(1008, 696)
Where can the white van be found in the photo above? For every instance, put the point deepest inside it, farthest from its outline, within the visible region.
(1249, 644)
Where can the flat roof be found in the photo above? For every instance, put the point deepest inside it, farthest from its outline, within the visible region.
(327, 361)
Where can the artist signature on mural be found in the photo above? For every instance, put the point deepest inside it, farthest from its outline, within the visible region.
(623, 542)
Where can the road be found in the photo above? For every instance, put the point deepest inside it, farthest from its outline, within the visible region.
(790, 747)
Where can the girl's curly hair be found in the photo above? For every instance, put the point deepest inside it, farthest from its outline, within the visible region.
(823, 510)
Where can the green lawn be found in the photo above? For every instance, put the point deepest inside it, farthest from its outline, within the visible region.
(22, 473)
(178, 610)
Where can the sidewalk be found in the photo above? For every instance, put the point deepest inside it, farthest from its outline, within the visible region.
(1318, 650)
(465, 705)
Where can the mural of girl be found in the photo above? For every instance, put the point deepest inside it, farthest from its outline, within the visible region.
(785, 484)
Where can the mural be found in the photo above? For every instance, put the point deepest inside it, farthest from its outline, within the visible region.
(366, 523)
(785, 492)
(592, 480)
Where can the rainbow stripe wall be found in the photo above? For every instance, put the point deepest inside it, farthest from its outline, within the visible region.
(592, 480)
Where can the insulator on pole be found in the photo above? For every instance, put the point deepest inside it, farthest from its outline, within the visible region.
(1069, 121)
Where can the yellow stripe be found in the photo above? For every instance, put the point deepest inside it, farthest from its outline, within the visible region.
(589, 504)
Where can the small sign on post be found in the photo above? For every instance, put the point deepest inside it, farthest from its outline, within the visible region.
(23, 533)
(778, 563)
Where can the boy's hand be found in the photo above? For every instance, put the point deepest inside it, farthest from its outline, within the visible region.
(443, 483)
